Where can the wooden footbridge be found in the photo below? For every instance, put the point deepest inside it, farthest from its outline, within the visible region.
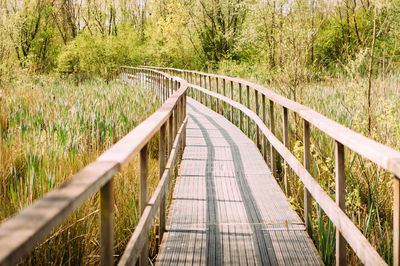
(227, 207)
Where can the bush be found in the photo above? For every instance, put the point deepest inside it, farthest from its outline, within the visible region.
(98, 55)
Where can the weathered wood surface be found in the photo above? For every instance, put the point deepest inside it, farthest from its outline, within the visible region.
(228, 208)
(378, 153)
(364, 250)
(140, 235)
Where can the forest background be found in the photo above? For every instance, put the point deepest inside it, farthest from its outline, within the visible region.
(341, 58)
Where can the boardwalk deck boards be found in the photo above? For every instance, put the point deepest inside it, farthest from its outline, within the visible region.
(228, 209)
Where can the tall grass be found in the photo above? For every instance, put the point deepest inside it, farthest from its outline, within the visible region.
(51, 128)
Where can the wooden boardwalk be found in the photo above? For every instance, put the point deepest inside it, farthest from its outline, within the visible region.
(228, 208)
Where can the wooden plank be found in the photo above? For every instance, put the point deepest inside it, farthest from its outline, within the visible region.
(257, 112)
(223, 93)
(340, 201)
(396, 221)
(143, 198)
(286, 143)
(106, 224)
(231, 92)
(248, 106)
(273, 163)
(218, 105)
(162, 160)
(240, 112)
(306, 159)
(209, 82)
(264, 118)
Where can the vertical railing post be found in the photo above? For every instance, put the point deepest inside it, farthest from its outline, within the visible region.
(272, 128)
(170, 132)
(143, 197)
(264, 118)
(162, 156)
(164, 80)
(168, 87)
(217, 88)
(307, 165)
(151, 80)
(175, 120)
(248, 106)
(201, 94)
(256, 110)
(160, 87)
(340, 200)
(205, 95)
(231, 109)
(396, 221)
(224, 92)
(107, 224)
(184, 116)
(240, 112)
(286, 143)
(211, 101)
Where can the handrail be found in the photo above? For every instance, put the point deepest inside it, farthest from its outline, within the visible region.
(382, 155)
(367, 254)
(21, 233)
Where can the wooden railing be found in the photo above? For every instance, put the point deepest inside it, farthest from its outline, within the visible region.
(383, 156)
(20, 234)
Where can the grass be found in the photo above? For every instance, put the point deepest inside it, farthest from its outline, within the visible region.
(51, 128)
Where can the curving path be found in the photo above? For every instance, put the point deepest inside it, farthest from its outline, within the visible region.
(228, 208)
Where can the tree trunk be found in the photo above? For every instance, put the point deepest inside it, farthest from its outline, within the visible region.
(370, 72)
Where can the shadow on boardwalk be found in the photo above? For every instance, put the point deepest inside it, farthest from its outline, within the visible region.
(228, 209)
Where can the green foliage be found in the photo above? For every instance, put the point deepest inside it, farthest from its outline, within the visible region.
(95, 56)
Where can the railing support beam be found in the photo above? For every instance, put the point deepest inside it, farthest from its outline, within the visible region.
(307, 165)
(143, 197)
(272, 128)
(248, 106)
(256, 110)
(162, 155)
(396, 221)
(107, 224)
(340, 201)
(286, 143)
(231, 92)
(240, 112)
(264, 118)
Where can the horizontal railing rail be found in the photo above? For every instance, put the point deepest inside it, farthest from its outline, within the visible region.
(381, 155)
(21, 233)
(355, 238)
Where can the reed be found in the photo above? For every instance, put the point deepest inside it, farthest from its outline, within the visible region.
(51, 128)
